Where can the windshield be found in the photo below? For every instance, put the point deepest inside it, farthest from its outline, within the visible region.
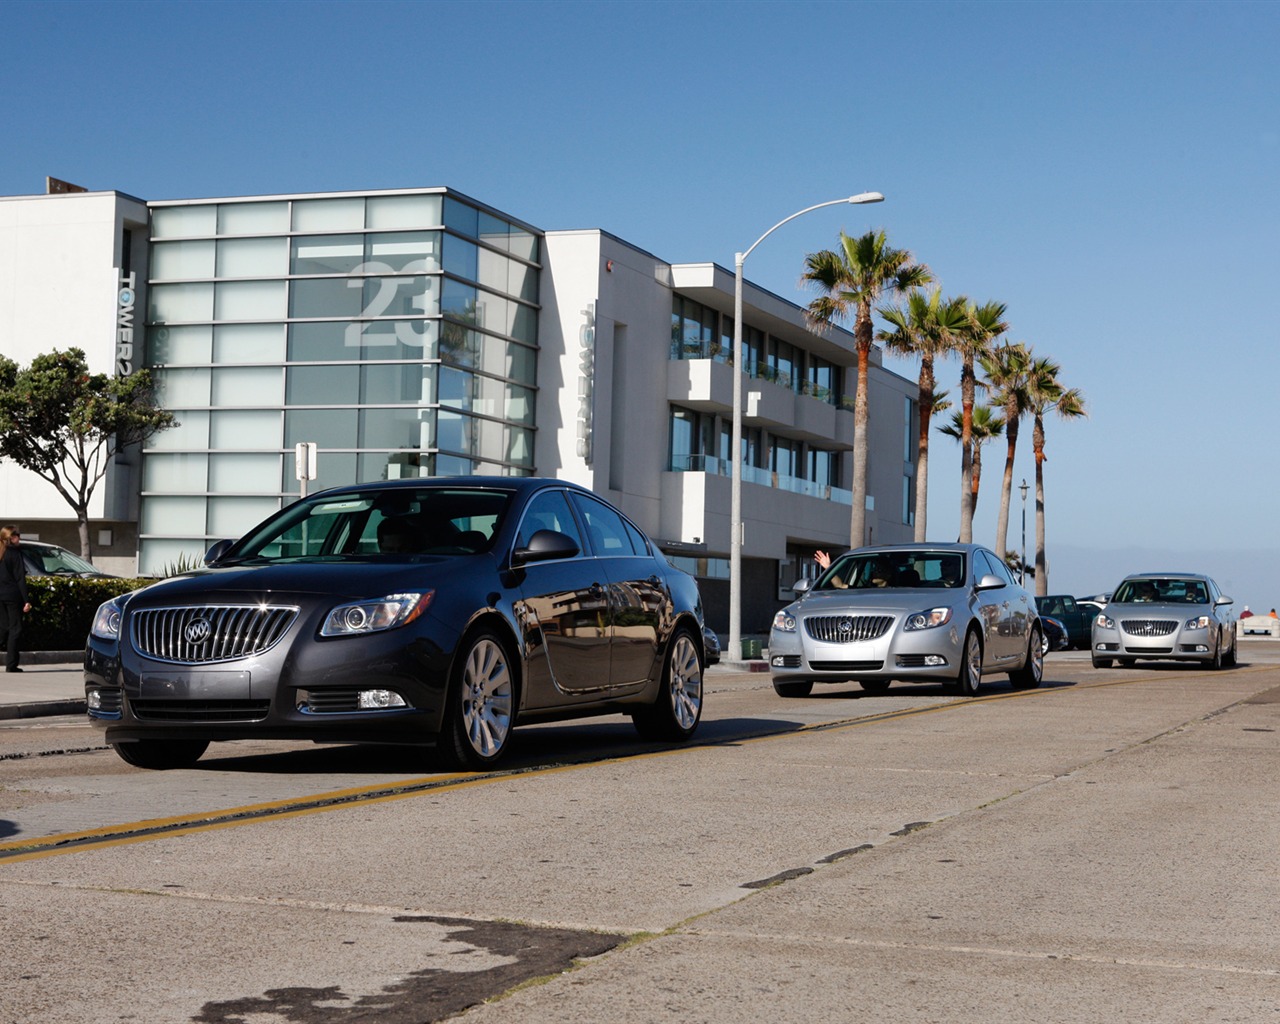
(1161, 590)
(397, 525)
(895, 570)
(56, 561)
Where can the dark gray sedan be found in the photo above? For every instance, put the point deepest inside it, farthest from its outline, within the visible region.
(438, 612)
(1176, 616)
(948, 613)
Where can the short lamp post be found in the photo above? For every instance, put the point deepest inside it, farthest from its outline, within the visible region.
(735, 504)
(1022, 578)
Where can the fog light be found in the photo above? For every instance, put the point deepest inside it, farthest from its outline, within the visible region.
(778, 660)
(1201, 649)
(934, 660)
(93, 699)
(380, 699)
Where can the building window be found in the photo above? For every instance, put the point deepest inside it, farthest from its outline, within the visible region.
(693, 442)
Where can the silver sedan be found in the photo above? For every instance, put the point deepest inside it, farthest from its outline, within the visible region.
(948, 613)
(1179, 616)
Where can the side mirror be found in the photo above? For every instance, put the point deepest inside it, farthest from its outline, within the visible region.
(990, 582)
(544, 546)
(218, 549)
(1224, 600)
(802, 586)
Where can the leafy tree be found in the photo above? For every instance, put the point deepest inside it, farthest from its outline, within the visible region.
(926, 327)
(986, 323)
(1047, 394)
(985, 426)
(65, 424)
(852, 279)
(1007, 370)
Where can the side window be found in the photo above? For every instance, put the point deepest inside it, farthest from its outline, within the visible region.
(1068, 605)
(606, 530)
(548, 511)
(637, 539)
(988, 563)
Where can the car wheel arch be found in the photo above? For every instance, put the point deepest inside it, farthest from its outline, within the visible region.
(493, 621)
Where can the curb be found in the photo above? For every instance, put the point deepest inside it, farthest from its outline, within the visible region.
(43, 709)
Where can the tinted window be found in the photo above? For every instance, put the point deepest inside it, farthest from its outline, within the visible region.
(606, 530)
(548, 510)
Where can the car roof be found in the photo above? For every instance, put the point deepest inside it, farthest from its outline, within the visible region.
(1166, 576)
(920, 546)
(512, 484)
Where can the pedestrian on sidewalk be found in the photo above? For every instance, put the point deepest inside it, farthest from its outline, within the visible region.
(14, 601)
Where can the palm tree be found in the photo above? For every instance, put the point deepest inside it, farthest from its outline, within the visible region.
(853, 279)
(1046, 393)
(1007, 370)
(925, 328)
(986, 323)
(987, 425)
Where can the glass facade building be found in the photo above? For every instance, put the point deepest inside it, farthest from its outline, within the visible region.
(397, 331)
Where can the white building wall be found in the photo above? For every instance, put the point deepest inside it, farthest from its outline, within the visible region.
(60, 259)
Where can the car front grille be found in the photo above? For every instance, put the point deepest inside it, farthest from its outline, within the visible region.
(847, 629)
(200, 634)
(1148, 627)
(200, 710)
(846, 666)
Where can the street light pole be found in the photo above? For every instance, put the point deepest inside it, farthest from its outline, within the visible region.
(735, 500)
(1022, 576)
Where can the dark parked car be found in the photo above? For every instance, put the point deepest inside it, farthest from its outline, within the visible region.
(1055, 634)
(441, 612)
(1077, 619)
(50, 560)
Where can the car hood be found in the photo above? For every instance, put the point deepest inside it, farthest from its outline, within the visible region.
(1156, 610)
(345, 579)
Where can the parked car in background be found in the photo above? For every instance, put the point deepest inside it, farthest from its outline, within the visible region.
(50, 560)
(1077, 621)
(1180, 616)
(437, 611)
(711, 643)
(948, 613)
(1055, 634)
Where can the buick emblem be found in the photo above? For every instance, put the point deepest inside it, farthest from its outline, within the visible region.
(197, 631)
(845, 625)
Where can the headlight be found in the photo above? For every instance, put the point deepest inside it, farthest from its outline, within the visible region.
(360, 617)
(928, 619)
(784, 622)
(106, 621)
(1200, 622)
(1105, 621)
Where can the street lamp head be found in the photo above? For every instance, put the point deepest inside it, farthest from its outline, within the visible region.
(1023, 489)
(867, 197)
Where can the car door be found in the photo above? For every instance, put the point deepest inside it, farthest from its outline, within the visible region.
(638, 597)
(563, 610)
(1003, 609)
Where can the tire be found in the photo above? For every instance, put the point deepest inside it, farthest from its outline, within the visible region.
(1031, 674)
(1214, 664)
(875, 685)
(479, 712)
(161, 755)
(1101, 662)
(675, 713)
(969, 678)
(1231, 659)
(793, 689)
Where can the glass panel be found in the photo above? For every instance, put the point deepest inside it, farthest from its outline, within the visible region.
(521, 363)
(394, 383)
(403, 211)
(462, 218)
(333, 469)
(494, 231)
(253, 218)
(327, 297)
(250, 300)
(400, 296)
(250, 428)
(157, 557)
(182, 389)
(252, 257)
(168, 303)
(524, 244)
(328, 428)
(492, 270)
(519, 403)
(249, 343)
(461, 257)
(183, 221)
(174, 474)
(245, 474)
(524, 324)
(323, 385)
(390, 466)
(522, 281)
(234, 517)
(168, 345)
(419, 250)
(392, 428)
(345, 214)
(326, 254)
(190, 431)
(319, 342)
(176, 261)
(173, 515)
(248, 385)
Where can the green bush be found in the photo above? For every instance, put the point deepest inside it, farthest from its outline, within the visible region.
(62, 609)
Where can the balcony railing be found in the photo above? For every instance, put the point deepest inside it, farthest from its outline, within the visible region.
(763, 477)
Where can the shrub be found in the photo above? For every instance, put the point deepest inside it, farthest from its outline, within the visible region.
(62, 609)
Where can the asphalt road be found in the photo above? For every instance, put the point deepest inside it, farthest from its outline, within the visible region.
(1101, 849)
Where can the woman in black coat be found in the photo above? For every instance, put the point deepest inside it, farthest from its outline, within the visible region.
(14, 602)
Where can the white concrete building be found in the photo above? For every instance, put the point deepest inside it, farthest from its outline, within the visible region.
(419, 332)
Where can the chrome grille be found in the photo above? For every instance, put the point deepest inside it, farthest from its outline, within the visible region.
(1148, 627)
(847, 629)
(201, 634)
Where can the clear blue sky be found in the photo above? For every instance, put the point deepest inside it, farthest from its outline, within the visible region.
(1108, 170)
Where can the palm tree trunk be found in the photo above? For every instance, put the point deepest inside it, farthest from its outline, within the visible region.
(922, 448)
(1037, 443)
(977, 477)
(858, 515)
(1006, 496)
(966, 449)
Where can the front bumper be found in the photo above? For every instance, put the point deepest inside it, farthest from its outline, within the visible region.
(1179, 644)
(921, 655)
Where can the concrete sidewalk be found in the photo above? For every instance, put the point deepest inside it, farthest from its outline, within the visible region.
(50, 683)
